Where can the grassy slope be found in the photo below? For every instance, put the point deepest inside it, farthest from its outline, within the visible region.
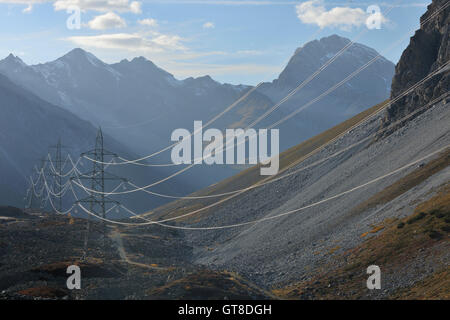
(250, 176)
(402, 185)
(395, 244)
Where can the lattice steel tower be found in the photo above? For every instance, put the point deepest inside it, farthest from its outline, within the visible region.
(97, 177)
(32, 190)
(57, 174)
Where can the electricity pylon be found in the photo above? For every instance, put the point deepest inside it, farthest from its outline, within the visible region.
(57, 174)
(44, 171)
(32, 189)
(97, 177)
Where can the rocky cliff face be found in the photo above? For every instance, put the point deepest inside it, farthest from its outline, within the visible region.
(429, 50)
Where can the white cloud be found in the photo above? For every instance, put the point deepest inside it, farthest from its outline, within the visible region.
(153, 43)
(108, 20)
(94, 5)
(148, 22)
(28, 2)
(100, 5)
(208, 25)
(28, 9)
(314, 12)
(135, 7)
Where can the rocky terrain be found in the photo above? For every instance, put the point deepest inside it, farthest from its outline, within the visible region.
(294, 247)
(143, 263)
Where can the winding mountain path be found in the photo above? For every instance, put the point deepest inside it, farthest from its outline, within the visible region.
(116, 237)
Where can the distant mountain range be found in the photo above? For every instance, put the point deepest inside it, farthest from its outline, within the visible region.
(139, 104)
(29, 125)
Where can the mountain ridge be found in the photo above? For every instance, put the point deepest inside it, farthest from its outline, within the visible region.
(29, 125)
(140, 104)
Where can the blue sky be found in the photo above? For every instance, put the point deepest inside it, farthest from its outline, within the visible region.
(236, 41)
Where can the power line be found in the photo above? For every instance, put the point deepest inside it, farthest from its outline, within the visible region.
(136, 161)
(266, 218)
(308, 155)
(405, 92)
(241, 224)
(59, 190)
(279, 178)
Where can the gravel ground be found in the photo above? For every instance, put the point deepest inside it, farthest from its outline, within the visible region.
(134, 263)
(290, 248)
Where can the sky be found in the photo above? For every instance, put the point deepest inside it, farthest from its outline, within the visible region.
(234, 41)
